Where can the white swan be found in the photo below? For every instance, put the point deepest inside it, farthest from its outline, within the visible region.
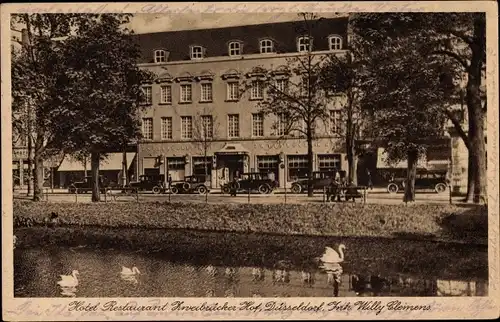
(129, 272)
(211, 270)
(331, 256)
(69, 280)
(257, 273)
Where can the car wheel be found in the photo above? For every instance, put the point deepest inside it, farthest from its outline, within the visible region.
(264, 189)
(202, 190)
(156, 190)
(174, 190)
(440, 188)
(392, 188)
(296, 188)
(226, 190)
(72, 189)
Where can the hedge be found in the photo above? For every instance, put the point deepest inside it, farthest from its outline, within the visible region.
(313, 219)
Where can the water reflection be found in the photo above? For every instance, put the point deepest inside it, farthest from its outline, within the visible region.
(205, 268)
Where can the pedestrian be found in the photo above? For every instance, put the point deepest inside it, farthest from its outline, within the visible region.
(271, 176)
(234, 187)
(369, 175)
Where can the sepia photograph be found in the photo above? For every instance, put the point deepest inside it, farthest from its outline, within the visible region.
(299, 154)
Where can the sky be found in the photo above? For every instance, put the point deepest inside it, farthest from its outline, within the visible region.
(145, 22)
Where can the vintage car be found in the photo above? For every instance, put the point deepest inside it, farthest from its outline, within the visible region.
(153, 183)
(424, 180)
(85, 186)
(253, 181)
(190, 184)
(320, 180)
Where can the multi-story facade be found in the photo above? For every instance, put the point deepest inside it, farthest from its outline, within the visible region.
(199, 74)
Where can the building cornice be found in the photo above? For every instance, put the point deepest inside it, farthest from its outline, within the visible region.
(243, 57)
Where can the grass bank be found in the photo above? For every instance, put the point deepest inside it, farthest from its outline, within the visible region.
(429, 222)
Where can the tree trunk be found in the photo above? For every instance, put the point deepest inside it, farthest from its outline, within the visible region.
(351, 160)
(470, 179)
(476, 113)
(409, 195)
(124, 168)
(94, 169)
(310, 164)
(39, 178)
(30, 164)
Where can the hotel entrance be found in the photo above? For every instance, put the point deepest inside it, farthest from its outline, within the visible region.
(232, 161)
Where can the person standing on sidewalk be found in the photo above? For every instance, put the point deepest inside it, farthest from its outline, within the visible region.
(369, 175)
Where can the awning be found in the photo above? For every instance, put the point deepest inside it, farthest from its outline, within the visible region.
(232, 148)
(112, 162)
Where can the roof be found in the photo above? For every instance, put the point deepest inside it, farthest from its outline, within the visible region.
(216, 40)
(112, 162)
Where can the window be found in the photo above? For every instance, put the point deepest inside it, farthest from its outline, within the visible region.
(334, 43)
(147, 128)
(233, 125)
(304, 44)
(202, 166)
(234, 48)
(281, 126)
(232, 91)
(206, 92)
(148, 95)
(266, 46)
(186, 127)
(166, 94)
(186, 93)
(208, 126)
(257, 124)
(268, 164)
(196, 52)
(335, 121)
(176, 163)
(297, 167)
(257, 91)
(329, 162)
(282, 85)
(166, 128)
(160, 56)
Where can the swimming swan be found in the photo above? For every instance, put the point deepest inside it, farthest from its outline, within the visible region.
(69, 280)
(129, 272)
(331, 256)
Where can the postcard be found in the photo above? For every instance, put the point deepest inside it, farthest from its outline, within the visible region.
(250, 160)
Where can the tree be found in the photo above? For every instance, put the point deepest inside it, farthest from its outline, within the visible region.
(344, 74)
(295, 94)
(34, 74)
(205, 133)
(404, 94)
(459, 39)
(101, 91)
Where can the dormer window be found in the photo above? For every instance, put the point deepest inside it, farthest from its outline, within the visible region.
(196, 52)
(304, 44)
(266, 46)
(160, 56)
(235, 48)
(335, 43)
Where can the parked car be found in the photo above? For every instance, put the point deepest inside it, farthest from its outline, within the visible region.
(253, 181)
(190, 184)
(153, 183)
(320, 180)
(85, 186)
(424, 179)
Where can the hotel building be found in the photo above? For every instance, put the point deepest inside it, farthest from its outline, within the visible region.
(199, 76)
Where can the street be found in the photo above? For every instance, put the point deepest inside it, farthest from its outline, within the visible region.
(377, 196)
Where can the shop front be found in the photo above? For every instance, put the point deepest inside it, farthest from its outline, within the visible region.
(285, 161)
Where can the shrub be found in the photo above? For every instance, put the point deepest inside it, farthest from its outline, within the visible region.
(303, 219)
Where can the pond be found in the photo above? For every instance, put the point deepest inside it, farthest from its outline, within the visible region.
(177, 263)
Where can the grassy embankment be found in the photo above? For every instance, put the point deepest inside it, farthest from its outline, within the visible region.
(424, 222)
